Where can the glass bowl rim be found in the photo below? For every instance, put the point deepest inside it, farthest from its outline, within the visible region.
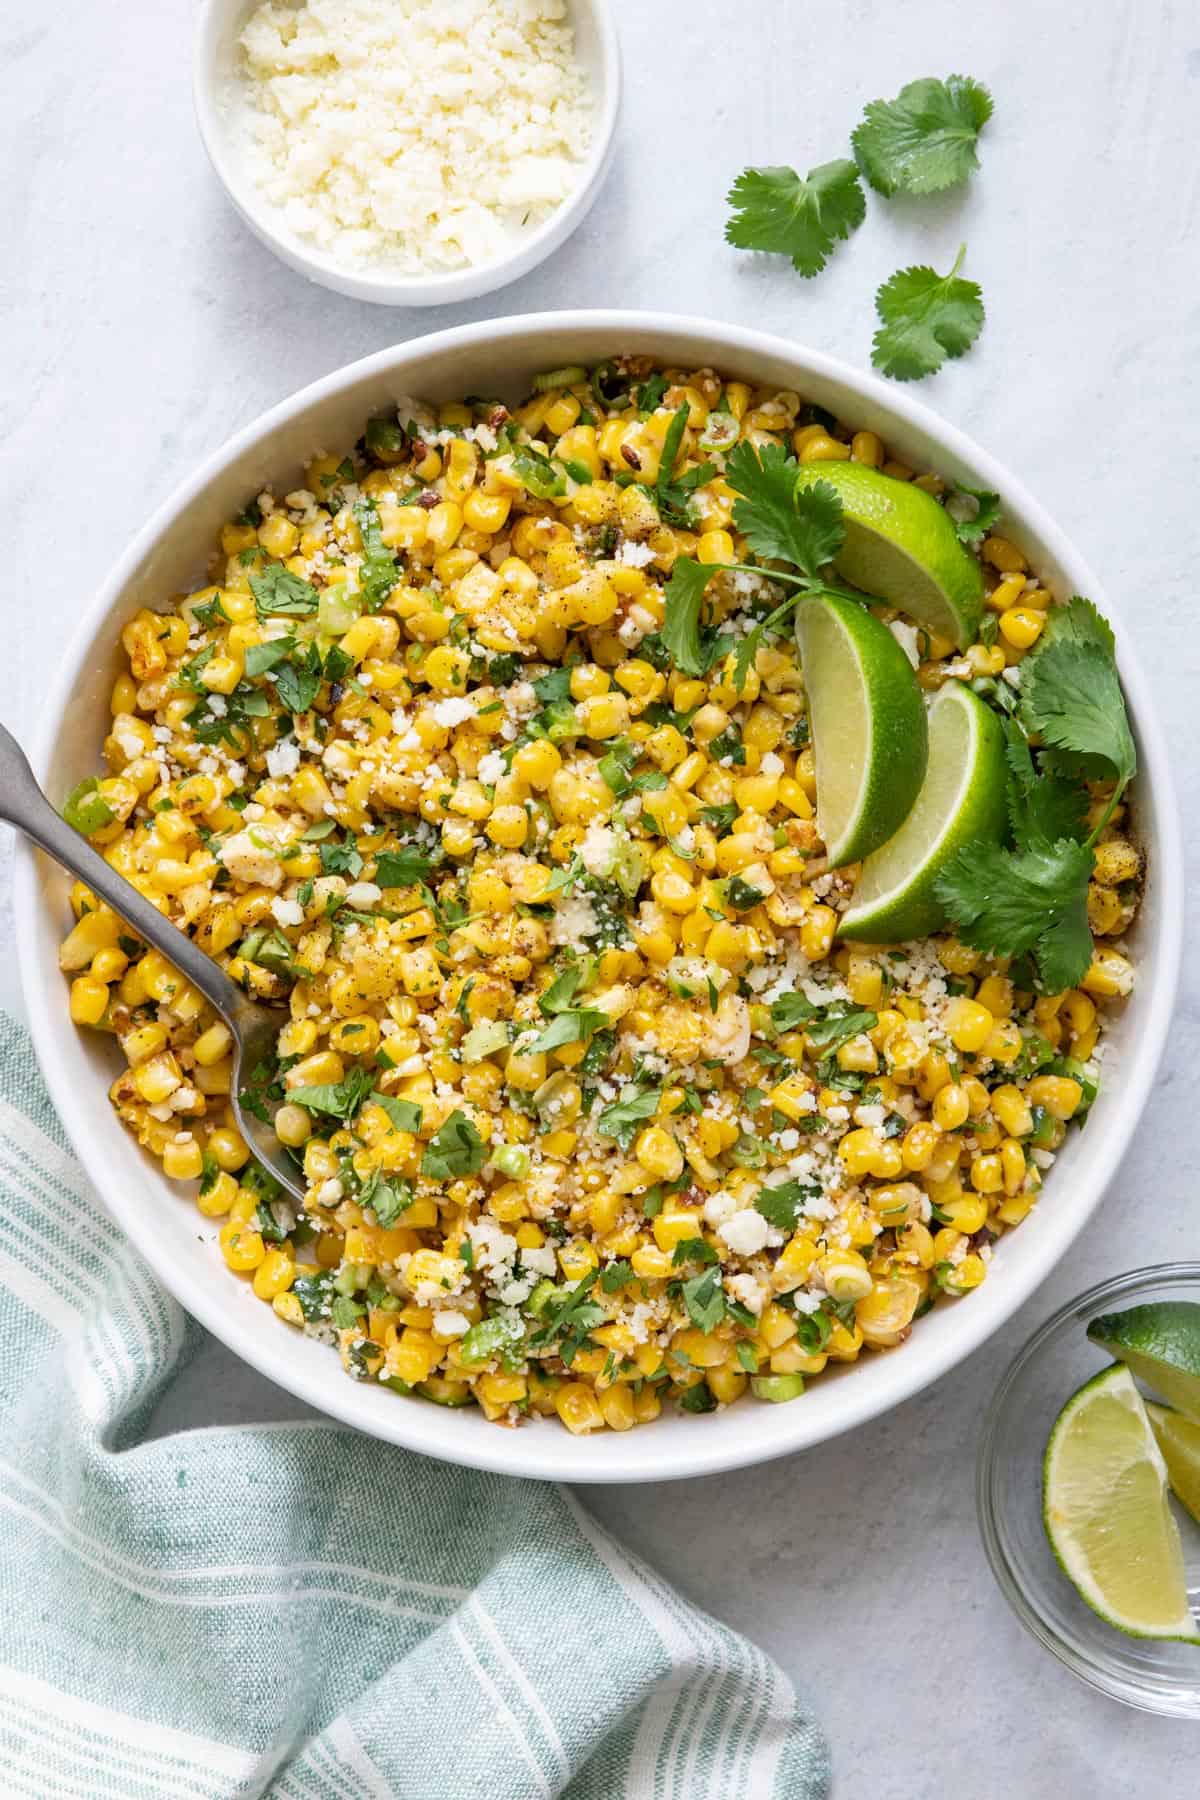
(1142, 1695)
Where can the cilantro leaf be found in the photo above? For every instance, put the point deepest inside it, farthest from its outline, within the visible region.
(693, 647)
(804, 529)
(568, 1027)
(926, 317)
(341, 1099)
(839, 1023)
(379, 571)
(298, 681)
(923, 140)
(782, 1205)
(560, 995)
(704, 1298)
(388, 1200)
(1082, 622)
(404, 1114)
(791, 1010)
(1039, 806)
(1071, 695)
(1033, 899)
(403, 867)
(261, 657)
(973, 527)
(622, 1118)
(457, 1149)
(277, 590)
(569, 1317)
(697, 1250)
(775, 210)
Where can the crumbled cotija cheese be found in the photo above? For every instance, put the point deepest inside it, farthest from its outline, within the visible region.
(425, 134)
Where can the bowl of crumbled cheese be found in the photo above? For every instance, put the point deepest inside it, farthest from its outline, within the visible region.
(409, 152)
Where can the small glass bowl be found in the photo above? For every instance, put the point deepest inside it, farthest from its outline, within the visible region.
(1159, 1677)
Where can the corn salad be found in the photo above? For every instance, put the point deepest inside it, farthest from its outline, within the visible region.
(594, 1111)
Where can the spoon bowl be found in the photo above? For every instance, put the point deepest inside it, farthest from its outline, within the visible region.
(254, 1027)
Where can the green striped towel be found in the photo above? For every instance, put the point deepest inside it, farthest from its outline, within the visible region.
(294, 1609)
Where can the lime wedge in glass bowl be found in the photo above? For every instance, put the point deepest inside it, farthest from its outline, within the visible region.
(1107, 1515)
(1161, 1344)
(962, 798)
(901, 546)
(1179, 1440)
(867, 715)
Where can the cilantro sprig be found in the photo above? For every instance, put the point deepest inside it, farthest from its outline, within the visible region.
(924, 140)
(800, 217)
(926, 319)
(1031, 898)
(804, 529)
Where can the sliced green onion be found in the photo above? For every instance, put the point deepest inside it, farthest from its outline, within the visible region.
(545, 480)
(85, 808)
(338, 609)
(512, 1161)
(559, 378)
(720, 431)
(777, 1387)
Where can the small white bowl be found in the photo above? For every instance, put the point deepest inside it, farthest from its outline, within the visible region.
(169, 554)
(215, 75)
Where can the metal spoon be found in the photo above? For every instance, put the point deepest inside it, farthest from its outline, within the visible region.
(254, 1027)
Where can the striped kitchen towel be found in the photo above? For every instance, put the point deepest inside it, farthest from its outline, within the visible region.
(294, 1609)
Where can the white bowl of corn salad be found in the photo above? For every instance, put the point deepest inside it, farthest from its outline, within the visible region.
(379, 705)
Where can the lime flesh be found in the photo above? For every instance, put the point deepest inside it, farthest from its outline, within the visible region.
(963, 797)
(870, 740)
(1160, 1342)
(1107, 1514)
(1179, 1440)
(901, 546)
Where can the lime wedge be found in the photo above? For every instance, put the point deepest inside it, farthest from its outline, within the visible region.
(1107, 1515)
(963, 797)
(1160, 1342)
(901, 546)
(870, 740)
(1179, 1440)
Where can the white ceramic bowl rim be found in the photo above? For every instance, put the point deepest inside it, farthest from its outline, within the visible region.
(381, 286)
(749, 1432)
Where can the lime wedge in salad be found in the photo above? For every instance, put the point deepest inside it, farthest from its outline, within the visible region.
(1179, 1440)
(1107, 1514)
(869, 735)
(1160, 1342)
(901, 547)
(963, 797)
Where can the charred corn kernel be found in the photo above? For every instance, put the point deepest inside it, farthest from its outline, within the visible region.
(816, 933)
(1060, 1095)
(217, 1195)
(845, 1275)
(228, 1149)
(919, 1145)
(1012, 1165)
(867, 448)
(579, 1408)
(89, 1000)
(1022, 626)
(274, 1275)
(987, 1175)
(951, 1107)
(242, 1248)
(659, 1154)
(1003, 555)
(1012, 1109)
(651, 1263)
(183, 1161)
(964, 1275)
(821, 448)
(672, 1229)
(1116, 863)
(968, 1025)
(1110, 975)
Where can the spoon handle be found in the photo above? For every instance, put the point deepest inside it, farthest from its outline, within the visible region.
(23, 804)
